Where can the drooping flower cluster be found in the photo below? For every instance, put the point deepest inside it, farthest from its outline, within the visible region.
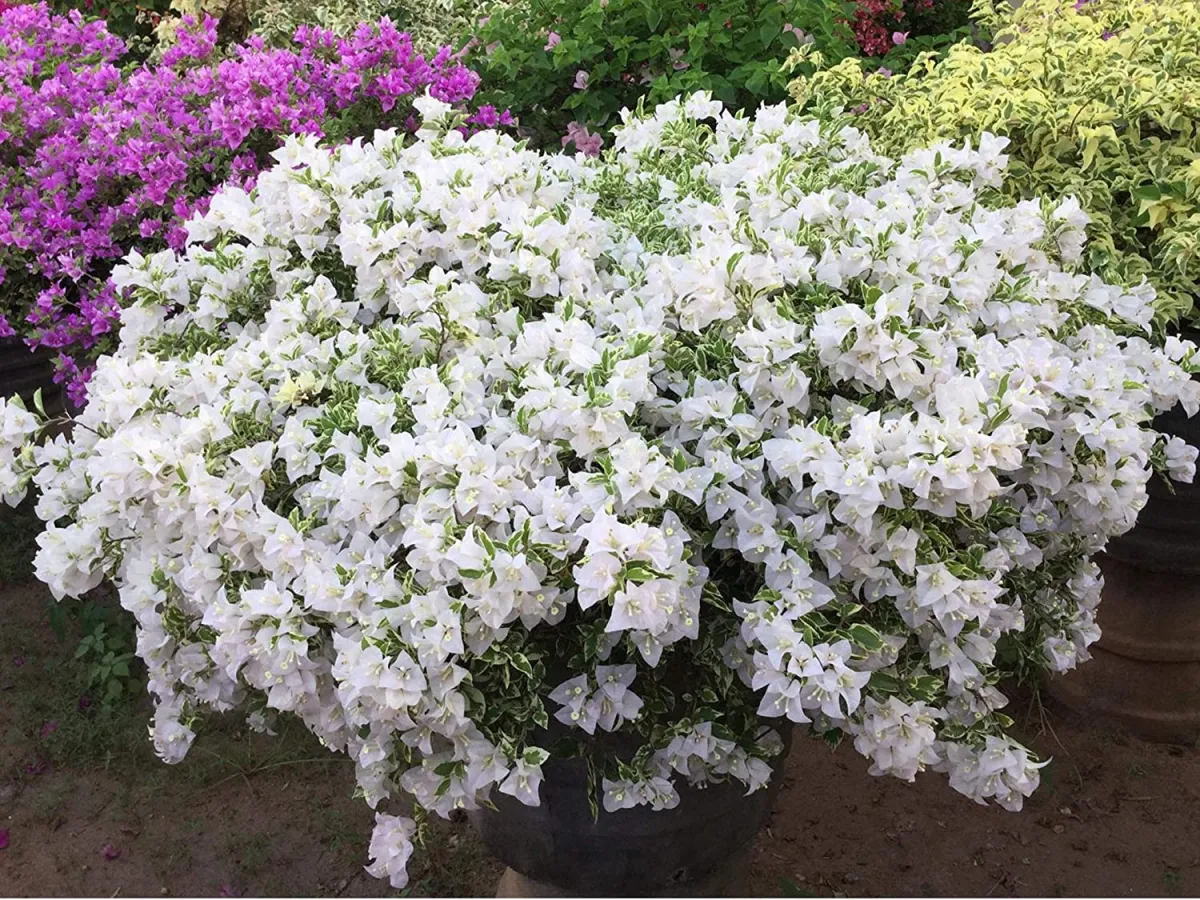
(94, 160)
(453, 447)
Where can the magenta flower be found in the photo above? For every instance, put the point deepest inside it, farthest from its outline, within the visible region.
(899, 37)
(49, 728)
(109, 852)
(3, 838)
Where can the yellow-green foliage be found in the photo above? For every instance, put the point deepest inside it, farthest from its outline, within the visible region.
(1102, 102)
(431, 23)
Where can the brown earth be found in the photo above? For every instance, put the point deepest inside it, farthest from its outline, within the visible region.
(91, 812)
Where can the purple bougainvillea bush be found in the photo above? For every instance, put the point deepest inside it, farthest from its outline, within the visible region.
(96, 158)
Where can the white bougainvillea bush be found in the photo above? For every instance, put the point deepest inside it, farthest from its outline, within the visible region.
(467, 456)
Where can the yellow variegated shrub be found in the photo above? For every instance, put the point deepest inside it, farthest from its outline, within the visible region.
(1100, 99)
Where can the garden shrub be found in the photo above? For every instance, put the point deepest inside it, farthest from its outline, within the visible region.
(561, 63)
(431, 24)
(1096, 99)
(95, 159)
(880, 26)
(446, 447)
(567, 67)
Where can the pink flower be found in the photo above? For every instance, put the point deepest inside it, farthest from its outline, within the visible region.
(49, 728)
(586, 143)
(899, 37)
(581, 80)
(553, 40)
(109, 852)
(3, 838)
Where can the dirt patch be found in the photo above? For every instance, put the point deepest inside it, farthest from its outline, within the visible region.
(91, 812)
(1114, 817)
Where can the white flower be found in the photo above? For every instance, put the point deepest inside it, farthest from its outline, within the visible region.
(391, 846)
(422, 434)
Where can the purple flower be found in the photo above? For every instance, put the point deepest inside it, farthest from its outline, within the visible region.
(884, 71)
(49, 728)
(581, 80)
(899, 37)
(552, 40)
(3, 838)
(109, 852)
(100, 157)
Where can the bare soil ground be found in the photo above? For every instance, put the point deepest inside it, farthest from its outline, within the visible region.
(91, 812)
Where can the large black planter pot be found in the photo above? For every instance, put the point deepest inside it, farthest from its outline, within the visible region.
(23, 372)
(1167, 535)
(1145, 670)
(558, 850)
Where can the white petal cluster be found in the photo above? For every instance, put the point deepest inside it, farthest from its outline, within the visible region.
(430, 443)
(17, 426)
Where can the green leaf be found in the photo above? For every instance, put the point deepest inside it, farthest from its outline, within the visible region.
(885, 684)
(521, 663)
(866, 637)
(535, 756)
